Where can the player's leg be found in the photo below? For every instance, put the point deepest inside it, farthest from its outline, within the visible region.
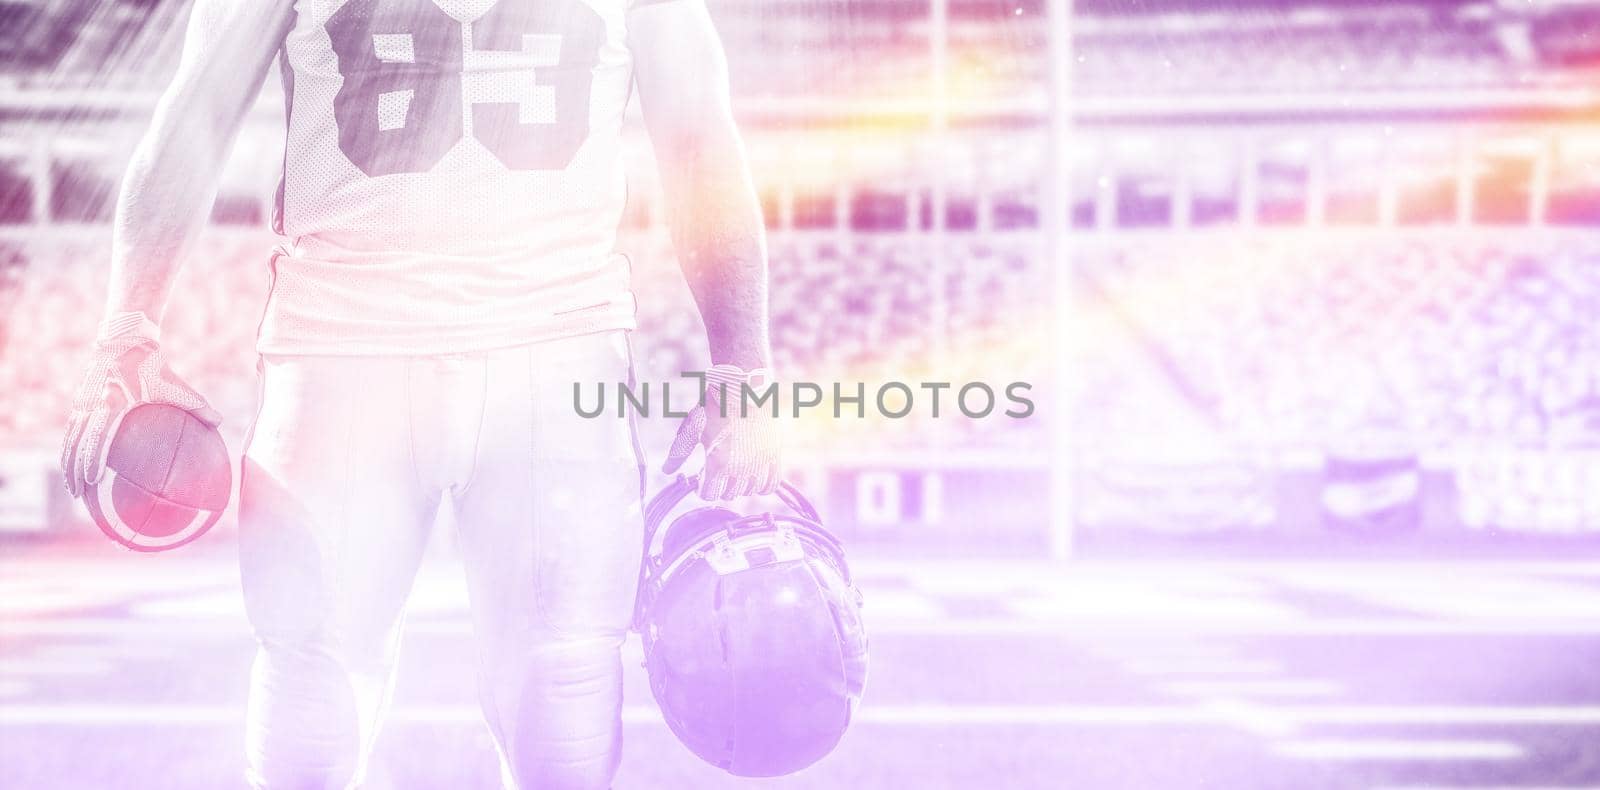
(332, 529)
(550, 530)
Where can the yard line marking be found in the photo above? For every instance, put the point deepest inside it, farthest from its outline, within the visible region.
(1135, 604)
(1274, 687)
(103, 652)
(1212, 713)
(218, 604)
(1486, 787)
(1354, 626)
(1488, 597)
(43, 666)
(1407, 749)
(967, 715)
(1444, 714)
(1177, 665)
(913, 715)
(1013, 570)
(905, 605)
(1251, 717)
(1100, 629)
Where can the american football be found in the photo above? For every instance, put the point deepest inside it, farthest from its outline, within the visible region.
(166, 480)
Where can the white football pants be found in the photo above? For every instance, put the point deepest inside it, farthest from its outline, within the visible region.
(349, 459)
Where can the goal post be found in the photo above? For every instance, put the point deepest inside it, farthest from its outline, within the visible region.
(1057, 226)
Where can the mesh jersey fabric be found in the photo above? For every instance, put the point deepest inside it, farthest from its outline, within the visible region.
(452, 177)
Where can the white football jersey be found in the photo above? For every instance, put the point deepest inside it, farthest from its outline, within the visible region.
(452, 176)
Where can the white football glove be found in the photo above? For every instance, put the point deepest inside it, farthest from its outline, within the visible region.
(743, 453)
(126, 369)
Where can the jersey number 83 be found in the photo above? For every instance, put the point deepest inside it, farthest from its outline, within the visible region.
(407, 66)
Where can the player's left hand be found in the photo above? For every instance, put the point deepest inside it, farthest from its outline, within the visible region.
(743, 452)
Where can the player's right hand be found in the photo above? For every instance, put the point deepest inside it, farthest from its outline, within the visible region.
(124, 371)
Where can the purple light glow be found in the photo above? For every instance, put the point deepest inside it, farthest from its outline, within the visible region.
(1305, 295)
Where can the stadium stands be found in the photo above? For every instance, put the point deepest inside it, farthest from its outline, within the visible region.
(882, 51)
(1313, 335)
(997, 51)
(1245, 292)
(1287, 338)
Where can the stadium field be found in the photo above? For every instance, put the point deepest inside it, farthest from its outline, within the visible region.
(119, 671)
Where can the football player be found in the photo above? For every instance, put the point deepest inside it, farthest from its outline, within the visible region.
(450, 194)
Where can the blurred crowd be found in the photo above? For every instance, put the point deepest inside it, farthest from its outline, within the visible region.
(56, 304)
(1263, 339)
(998, 51)
(1445, 338)
(1386, 56)
(996, 48)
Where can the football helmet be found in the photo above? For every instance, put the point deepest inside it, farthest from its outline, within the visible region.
(752, 631)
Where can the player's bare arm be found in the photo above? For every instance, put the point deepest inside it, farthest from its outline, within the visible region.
(172, 178)
(165, 196)
(716, 223)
